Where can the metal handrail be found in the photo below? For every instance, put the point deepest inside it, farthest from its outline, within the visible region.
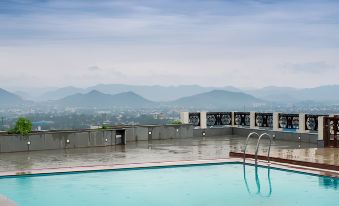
(257, 148)
(257, 181)
(247, 139)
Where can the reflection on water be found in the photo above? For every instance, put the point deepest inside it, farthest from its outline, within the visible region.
(329, 182)
(257, 182)
(324, 182)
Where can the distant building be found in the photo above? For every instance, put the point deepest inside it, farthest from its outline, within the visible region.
(94, 127)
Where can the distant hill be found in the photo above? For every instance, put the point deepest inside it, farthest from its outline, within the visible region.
(61, 93)
(22, 95)
(218, 99)
(154, 93)
(9, 99)
(100, 100)
(324, 94)
(276, 94)
(329, 93)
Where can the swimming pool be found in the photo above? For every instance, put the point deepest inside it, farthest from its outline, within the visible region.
(213, 184)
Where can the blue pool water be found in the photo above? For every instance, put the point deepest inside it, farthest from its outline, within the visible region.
(225, 184)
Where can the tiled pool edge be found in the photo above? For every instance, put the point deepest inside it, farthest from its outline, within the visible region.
(181, 163)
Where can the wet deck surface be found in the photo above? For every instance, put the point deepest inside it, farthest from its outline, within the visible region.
(159, 151)
(328, 156)
(4, 201)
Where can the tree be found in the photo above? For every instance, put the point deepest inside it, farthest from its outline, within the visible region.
(23, 126)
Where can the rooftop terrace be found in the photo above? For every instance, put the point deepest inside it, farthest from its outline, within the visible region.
(205, 136)
(171, 150)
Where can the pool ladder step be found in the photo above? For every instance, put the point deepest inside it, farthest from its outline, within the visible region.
(258, 144)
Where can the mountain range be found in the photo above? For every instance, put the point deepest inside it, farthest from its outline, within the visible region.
(218, 99)
(183, 96)
(8, 98)
(100, 100)
(322, 94)
(96, 99)
(154, 93)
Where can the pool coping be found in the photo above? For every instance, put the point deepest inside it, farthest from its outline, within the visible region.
(150, 165)
(93, 168)
(307, 164)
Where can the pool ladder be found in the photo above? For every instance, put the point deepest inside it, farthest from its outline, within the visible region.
(258, 144)
(257, 180)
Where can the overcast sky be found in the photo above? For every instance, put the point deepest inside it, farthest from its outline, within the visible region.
(244, 43)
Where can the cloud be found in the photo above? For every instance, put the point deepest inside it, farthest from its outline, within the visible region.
(117, 73)
(170, 41)
(232, 23)
(94, 68)
(308, 67)
(101, 72)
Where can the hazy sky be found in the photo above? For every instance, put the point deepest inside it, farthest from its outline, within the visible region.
(244, 43)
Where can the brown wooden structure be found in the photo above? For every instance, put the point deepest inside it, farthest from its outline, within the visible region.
(331, 131)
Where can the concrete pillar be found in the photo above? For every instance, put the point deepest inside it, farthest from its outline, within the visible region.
(276, 121)
(125, 138)
(233, 119)
(184, 117)
(321, 128)
(203, 120)
(321, 131)
(252, 120)
(302, 122)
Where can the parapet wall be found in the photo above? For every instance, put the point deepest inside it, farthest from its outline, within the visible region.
(91, 138)
(58, 140)
(244, 132)
(50, 140)
(308, 127)
(279, 135)
(212, 132)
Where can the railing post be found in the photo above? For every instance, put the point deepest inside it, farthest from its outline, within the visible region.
(276, 121)
(203, 120)
(252, 120)
(302, 123)
(184, 117)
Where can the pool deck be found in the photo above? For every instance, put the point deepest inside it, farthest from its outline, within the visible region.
(165, 153)
(4, 201)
